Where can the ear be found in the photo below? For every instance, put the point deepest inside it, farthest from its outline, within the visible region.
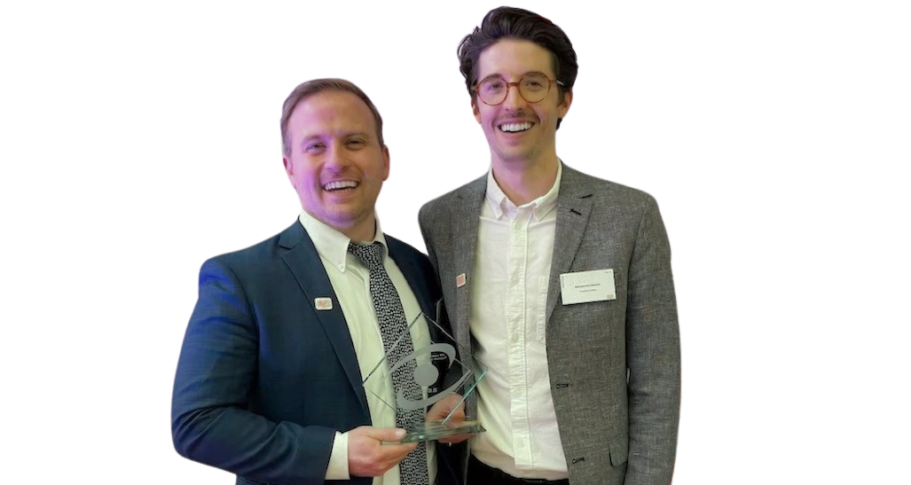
(289, 169)
(385, 163)
(563, 107)
(475, 110)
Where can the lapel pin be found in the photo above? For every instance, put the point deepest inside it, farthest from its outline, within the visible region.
(323, 303)
(460, 280)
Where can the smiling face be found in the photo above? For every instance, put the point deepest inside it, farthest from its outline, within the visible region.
(336, 163)
(518, 131)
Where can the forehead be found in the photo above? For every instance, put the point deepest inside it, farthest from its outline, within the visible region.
(513, 58)
(331, 113)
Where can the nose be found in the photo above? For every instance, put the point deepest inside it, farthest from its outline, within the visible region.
(336, 158)
(514, 100)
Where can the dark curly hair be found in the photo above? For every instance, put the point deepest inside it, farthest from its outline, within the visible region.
(516, 23)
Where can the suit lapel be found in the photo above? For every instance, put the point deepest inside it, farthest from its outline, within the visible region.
(304, 262)
(573, 210)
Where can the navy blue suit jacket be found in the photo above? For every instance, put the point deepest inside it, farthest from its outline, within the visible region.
(264, 379)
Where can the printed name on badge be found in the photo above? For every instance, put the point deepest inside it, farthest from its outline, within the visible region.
(588, 286)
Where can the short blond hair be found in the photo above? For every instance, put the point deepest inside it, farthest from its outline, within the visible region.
(316, 85)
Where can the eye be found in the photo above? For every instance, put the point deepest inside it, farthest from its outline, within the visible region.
(493, 85)
(355, 143)
(534, 82)
(314, 147)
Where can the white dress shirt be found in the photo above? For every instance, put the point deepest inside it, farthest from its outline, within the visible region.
(509, 299)
(351, 283)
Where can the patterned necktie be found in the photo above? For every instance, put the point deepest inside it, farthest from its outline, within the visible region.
(393, 325)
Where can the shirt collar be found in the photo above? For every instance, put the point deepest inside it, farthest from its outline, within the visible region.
(501, 205)
(331, 244)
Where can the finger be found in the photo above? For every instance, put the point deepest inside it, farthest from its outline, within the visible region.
(452, 419)
(455, 439)
(395, 453)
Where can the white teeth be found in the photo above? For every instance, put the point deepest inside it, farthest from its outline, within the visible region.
(514, 127)
(340, 184)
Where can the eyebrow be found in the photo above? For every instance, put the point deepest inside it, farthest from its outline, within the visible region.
(504, 77)
(323, 136)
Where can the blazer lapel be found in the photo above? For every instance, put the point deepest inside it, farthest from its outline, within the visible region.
(465, 217)
(573, 210)
(304, 262)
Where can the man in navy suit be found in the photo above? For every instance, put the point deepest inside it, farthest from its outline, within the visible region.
(269, 382)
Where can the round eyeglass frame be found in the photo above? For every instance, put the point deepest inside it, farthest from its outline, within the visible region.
(550, 83)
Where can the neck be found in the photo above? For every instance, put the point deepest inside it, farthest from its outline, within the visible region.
(523, 181)
(361, 236)
(359, 231)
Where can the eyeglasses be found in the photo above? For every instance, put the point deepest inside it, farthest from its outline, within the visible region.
(533, 87)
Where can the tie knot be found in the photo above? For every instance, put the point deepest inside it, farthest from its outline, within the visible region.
(370, 255)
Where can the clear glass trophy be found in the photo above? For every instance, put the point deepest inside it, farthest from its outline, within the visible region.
(443, 369)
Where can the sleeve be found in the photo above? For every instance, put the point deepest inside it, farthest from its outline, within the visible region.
(338, 461)
(653, 355)
(216, 373)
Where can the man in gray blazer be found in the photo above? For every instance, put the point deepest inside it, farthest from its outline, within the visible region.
(559, 282)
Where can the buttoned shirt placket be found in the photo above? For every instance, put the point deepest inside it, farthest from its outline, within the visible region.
(517, 266)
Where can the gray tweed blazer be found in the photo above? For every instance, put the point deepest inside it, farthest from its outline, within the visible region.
(614, 365)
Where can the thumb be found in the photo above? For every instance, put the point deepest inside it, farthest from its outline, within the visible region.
(387, 434)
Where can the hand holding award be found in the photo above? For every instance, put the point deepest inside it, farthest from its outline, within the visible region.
(439, 380)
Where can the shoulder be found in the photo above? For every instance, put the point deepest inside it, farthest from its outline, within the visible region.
(260, 256)
(440, 205)
(607, 195)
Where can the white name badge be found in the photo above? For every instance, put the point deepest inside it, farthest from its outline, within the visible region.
(586, 286)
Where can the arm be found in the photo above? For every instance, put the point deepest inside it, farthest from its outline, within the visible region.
(211, 421)
(215, 377)
(653, 355)
(425, 223)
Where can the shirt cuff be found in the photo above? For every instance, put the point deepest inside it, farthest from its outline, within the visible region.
(338, 460)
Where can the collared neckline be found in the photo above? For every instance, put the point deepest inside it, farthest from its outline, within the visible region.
(331, 244)
(540, 207)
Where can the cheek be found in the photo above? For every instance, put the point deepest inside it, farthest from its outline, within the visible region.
(486, 118)
(308, 182)
(485, 114)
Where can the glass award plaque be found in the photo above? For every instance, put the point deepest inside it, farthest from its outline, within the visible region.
(445, 372)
